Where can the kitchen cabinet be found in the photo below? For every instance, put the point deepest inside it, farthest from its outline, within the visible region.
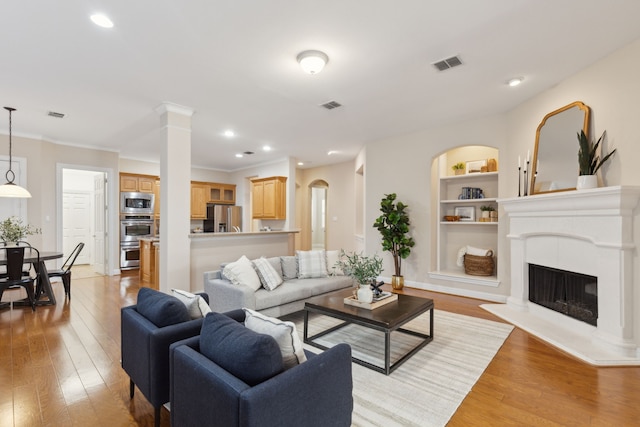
(156, 193)
(149, 263)
(222, 193)
(269, 198)
(199, 198)
(137, 183)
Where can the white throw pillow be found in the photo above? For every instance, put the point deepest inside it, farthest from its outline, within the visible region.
(284, 333)
(311, 264)
(289, 266)
(332, 260)
(268, 275)
(241, 272)
(196, 305)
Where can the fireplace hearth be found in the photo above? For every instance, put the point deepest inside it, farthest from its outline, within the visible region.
(572, 294)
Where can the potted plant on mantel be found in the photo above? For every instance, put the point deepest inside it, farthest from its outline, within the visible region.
(364, 269)
(12, 230)
(589, 162)
(393, 225)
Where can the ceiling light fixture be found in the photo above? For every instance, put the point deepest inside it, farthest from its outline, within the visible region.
(266, 148)
(10, 189)
(229, 133)
(101, 20)
(239, 155)
(312, 61)
(515, 82)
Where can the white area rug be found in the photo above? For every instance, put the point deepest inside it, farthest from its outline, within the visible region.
(428, 388)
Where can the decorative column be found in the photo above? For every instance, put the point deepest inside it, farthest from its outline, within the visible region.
(175, 196)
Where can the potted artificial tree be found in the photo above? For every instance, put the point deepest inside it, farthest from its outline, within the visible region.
(393, 225)
(589, 162)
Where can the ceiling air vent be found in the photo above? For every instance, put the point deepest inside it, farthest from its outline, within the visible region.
(248, 153)
(331, 105)
(56, 115)
(445, 64)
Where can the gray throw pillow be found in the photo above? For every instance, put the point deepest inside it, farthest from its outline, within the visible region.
(289, 267)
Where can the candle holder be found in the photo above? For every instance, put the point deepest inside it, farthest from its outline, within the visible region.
(526, 181)
(519, 171)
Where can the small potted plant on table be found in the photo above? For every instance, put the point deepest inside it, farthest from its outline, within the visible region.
(12, 230)
(364, 269)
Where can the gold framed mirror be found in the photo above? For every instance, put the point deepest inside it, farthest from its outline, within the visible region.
(555, 155)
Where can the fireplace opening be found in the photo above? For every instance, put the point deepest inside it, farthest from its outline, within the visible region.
(569, 293)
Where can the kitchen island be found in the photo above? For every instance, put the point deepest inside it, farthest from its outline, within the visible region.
(149, 260)
(209, 250)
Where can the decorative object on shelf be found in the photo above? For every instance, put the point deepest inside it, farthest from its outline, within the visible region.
(486, 213)
(451, 218)
(476, 166)
(393, 225)
(471, 193)
(12, 230)
(589, 162)
(476, 261)
(458, 168)
(519, 172)
(10, 189)
(364, 269)
(492, 165)
(466, 213)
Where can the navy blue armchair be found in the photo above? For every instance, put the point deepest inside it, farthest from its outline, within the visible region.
(148, 329)
(317, 392)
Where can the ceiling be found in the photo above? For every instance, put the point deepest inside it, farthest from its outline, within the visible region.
(234, 63)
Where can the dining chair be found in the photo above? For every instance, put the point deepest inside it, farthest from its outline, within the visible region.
(65, 271)
(15, 276)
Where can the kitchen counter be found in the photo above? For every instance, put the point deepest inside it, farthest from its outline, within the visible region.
(209, 250)
(241, 234)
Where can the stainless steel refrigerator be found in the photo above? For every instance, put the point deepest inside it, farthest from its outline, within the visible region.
(223, 218)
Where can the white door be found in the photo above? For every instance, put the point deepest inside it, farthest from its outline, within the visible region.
(99, 230)
(76, 224)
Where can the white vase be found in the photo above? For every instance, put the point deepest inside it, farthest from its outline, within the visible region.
(586, 182)
(365, 294)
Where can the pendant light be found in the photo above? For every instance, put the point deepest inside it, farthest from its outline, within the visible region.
(10, 189)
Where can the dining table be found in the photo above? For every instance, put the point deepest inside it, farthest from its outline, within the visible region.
(44, 292)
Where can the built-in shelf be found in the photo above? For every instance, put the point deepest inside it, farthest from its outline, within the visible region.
(454, 235)
(461, 277)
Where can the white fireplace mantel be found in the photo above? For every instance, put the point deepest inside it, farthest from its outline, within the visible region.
(588, 232)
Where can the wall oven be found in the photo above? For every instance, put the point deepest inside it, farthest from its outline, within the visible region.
(132, 228)
(133, 203)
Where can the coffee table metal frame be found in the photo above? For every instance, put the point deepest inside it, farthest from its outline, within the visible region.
(388, 318)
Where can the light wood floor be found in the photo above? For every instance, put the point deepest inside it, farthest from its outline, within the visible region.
(61, 366)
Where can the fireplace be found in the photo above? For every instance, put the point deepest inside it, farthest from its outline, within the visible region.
(572, 294)
(587, 241)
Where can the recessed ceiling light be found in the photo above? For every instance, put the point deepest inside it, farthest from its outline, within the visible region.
(331, 152)
(266, 148)
(515, 81)
(101, 20)
(239, 155)
(300, 163)
(229, 133)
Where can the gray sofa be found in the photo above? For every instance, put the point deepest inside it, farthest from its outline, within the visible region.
(287, 298)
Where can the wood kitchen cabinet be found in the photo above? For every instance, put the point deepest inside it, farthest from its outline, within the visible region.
(222, 193)
(156, 194)
(148, 263)
(269, 198)
(199, 198)
(137, 183)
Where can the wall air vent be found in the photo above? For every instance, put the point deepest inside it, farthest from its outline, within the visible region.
(331, 105)
(56, 115)
(445, 64)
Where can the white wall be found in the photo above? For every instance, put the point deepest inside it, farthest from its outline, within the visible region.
(403, 163)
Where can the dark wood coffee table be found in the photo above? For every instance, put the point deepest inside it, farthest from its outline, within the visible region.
(388, 318)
